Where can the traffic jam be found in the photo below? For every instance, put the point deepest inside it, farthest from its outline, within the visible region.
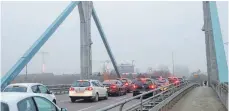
(90, 90)
(94, 90)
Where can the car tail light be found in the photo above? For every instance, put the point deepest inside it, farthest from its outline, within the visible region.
(89, 88)
(135, 86)
(113, 86)
(71, 89)
(126, 84)
(152, 86)
(176, 81)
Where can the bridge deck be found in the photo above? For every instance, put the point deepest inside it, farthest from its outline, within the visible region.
(199, 99)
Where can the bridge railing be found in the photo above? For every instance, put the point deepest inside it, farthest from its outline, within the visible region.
(59, 88)
(156, 101)
(221, 90)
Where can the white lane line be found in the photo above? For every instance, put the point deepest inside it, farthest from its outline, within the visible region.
(86, 108)
(101, 104)
(120, 98)
(62, 101)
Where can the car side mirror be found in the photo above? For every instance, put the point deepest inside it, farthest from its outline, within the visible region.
(63, 109)
(49, 92)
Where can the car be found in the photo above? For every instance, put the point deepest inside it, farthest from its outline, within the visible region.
(19, 101)
(127, 82)
(181, 80)
(87, 90)
(115, 87)
(31, 88)
(142, 85)
(174, 80)
(162, 83)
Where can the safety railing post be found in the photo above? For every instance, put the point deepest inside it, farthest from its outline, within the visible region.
(141, 103)
(120, 109)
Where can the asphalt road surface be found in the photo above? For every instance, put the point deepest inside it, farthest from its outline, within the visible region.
(63, 101)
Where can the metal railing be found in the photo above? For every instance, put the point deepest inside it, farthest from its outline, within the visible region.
(59, 89)
(156, 100)
(221, 90)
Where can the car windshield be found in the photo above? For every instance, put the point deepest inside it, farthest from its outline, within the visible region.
(4, 107)
(81, 84)
(15, 89)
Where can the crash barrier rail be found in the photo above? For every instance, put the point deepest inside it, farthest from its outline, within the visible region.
(59, 89)
(159, 100)
(221, 90)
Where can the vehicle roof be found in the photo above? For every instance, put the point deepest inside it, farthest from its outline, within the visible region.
(11, 97)
(25, 84)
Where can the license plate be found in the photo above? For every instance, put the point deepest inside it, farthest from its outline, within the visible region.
(79, 91)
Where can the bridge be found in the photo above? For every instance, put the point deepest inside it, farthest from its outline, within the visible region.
(190, 95)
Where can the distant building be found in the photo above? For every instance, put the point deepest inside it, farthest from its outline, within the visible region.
(126, 68)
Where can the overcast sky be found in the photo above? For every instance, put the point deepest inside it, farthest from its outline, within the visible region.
(146, 32)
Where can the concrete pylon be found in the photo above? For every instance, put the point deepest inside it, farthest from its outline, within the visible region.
(85, 12)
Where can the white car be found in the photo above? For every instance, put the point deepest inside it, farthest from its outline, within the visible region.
(87, 89)
(31, 88)
(19, 101)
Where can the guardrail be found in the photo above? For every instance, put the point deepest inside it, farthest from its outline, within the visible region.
(159, 99)
(59, 89)
(221, 90)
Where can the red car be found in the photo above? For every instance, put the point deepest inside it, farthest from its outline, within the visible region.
(174, 80)
(115, 87)
(127, 82)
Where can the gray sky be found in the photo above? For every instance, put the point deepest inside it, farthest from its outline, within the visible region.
(146, 32)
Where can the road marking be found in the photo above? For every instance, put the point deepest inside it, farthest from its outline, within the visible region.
(86, 108)
(101, 104)
(120, 98)
(61, 101)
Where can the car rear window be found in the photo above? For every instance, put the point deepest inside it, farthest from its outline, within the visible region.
(15, 89)
(4, 107)
(123, 80)
(161, 81)
(81, 84)
(110, 82)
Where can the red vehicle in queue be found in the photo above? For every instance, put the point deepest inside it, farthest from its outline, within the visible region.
(127, 82)
(115, 87)
(142, 85)
(174, 80)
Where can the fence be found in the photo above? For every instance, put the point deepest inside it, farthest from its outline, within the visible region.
(60, 88)
(222, 91)
(160, 100)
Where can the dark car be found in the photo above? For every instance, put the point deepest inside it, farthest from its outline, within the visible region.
(181, 80)
(127, 82)
(142, 85)
(115, 87)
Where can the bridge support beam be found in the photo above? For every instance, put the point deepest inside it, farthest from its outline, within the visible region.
(85, 11)
(216, 58)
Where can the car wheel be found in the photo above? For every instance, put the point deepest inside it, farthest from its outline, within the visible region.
(73, 100)
(125, 92)
(96, 98)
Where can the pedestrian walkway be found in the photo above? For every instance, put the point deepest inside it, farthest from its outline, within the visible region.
(199, 99)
